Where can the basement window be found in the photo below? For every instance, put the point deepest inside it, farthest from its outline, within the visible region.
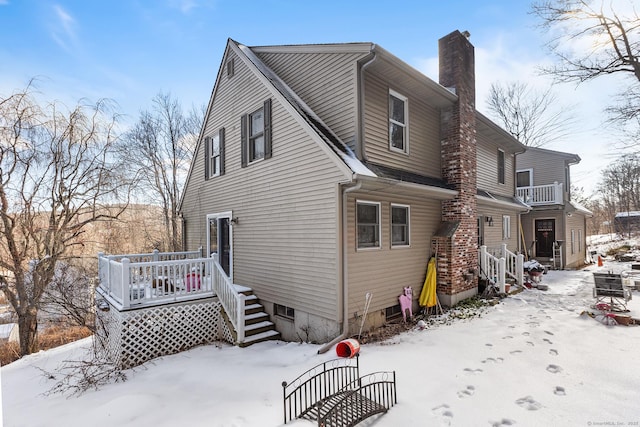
(284, 311)
(393, 312)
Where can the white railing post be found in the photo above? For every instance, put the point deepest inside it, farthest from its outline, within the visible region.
(241, 309)
(520, 269)
(503, 250)
(483, 262)
(126, 291)
(501, 275)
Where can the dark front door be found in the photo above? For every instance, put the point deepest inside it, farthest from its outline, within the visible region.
(224, 244)
(545, 236)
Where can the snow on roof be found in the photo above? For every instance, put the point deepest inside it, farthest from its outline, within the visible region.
(627, 214)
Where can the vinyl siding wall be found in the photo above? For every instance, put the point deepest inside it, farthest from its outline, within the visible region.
(493, 237)
(488, 168)
(326, 82)
(547, 167)
(575, 222)
(424, 131)
(285, 245)
(386, 271)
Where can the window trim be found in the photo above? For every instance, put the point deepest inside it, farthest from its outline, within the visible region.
(573, 241)
(580, 240)
(408, 226)
(405, 125)
(378, 245)
(246, 137)
(252, 137)
(502, 167)
(209, 154)
(278, 308)
(506, 227)
(530, 170)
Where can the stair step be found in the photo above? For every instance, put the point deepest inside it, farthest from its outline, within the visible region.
(257, 328)
(263, 336)
(253, 318)
(253, 309)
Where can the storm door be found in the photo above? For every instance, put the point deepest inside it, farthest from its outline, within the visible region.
(545, 236)
(220, 241)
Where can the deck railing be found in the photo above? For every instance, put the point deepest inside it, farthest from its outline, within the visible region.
(154, 278)
(551, 194)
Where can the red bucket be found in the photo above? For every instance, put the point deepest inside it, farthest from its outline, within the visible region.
(348, 348)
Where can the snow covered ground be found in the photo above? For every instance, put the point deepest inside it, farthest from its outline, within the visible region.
(531, 360)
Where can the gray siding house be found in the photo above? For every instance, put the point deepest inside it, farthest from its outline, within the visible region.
(326, 176)
(555, 228)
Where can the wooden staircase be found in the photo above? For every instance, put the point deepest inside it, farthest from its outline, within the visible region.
(258, 327)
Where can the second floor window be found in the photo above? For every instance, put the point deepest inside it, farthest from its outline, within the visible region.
(214, 155)
(501, 167)
(398, 122)
(256, 134)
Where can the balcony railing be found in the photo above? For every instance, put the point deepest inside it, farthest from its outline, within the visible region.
(537, 195)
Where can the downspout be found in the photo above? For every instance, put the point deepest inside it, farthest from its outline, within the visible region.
(360, 148)
(345, 279)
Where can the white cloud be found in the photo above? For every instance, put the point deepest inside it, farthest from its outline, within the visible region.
(63, 31)
(4, 2)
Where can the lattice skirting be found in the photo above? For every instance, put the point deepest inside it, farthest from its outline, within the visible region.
(133, 337)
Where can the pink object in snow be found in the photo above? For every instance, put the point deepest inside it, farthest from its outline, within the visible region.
(406, 301)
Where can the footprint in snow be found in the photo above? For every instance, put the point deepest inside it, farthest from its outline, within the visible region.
(559, 391)
(526, 334)
(489, 345)
(554, 369)
(472, 371)
(467, 392)
(548, 333)
(553, 352)
(528, 403)
(547, 341)
(502, 422)
(508, 337)
(530, 343)
(515, 352)
(444, 412)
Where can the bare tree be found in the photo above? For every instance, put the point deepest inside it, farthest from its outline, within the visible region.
(162, 143)
(533, 117)
(620, 185)
(593, 38)
(55, 175)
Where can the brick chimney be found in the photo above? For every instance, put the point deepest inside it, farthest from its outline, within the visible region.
(458, 252)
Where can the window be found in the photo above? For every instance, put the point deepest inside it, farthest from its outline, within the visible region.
(501, 167)
(230, 68)
(573, 241)
(398, 118)
(399, 225)
(256, 134)
(368, 224)
(580, 241)
(284, 311)
(506, 227)
(214, 155)
(523, 178)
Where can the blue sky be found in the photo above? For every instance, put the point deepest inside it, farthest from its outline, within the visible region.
(128, 51)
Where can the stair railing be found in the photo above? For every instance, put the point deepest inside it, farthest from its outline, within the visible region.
(232, 301)
(514, 264)
(492, 268)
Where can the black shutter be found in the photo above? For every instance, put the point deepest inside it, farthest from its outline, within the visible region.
(221, 151)
(207, 144)
(244, 140)
(267, 129)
